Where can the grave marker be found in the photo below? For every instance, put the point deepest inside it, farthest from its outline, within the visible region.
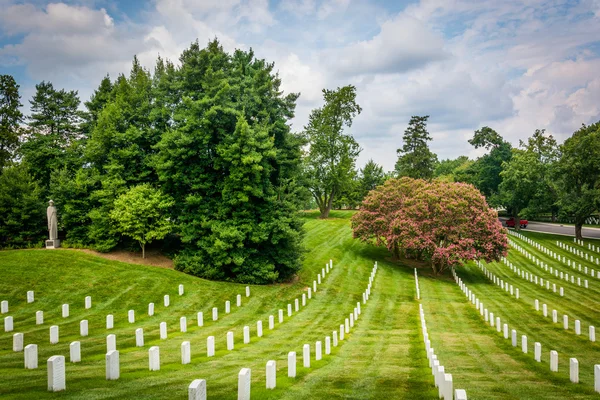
(163, 330)
(292, 364)
(574, 370)
(166, 300)
(139, 337)
(259, 331)
(200, 317)
(65, 310)
(271, 371)
(318, 350)
(131, 316)
(39, 317)
(18, 342)
(154, 358)
(215, 313)
(537, 351)
(75, 352)
(53, 334)
(553, 361)
(246, 334)
(111, 342)
(110, 323)
(30, 296)
(150, 309)
(271, 322)
(185, 353)
(197, 390)
(56, 374)
(230, 340)
(31, 356)
(183, 324)
(306, 355)
(88, 302)
(83, 327)
(112, 365)
(244, 384)
(210, 346)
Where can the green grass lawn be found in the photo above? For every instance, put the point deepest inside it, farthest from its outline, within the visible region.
(382, 357)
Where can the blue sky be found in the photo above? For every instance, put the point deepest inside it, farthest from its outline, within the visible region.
(513, 65)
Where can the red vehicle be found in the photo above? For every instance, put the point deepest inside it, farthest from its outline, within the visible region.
(511, 223)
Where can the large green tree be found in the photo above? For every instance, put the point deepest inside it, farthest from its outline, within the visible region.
(579, 169)
(332, 153)
(230, 162)
(415, 160)
(10, 119)
(484, 173)
(371, 176)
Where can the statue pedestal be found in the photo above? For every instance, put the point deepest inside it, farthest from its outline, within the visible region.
(52, 244)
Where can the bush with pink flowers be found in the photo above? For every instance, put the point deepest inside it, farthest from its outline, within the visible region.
(441, 223)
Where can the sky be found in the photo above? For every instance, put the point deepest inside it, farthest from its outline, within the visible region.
(515, 66)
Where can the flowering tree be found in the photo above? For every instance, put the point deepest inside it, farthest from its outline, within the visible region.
(442, 223)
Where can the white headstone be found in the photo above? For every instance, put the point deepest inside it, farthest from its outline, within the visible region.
(537, 351)
(460, 394)
(227, 307)
(181, 290)
(238, 300)
(166, 300)
(271, 322)
(197, 390)
(18, 342)
(259, 331)
(247, 291)
(210, 346)
(292, 364)
(335, 338)
(75, 352)
(215, 313)
(139, 337)
(150, 309)
(154, 358)
(514, 337)
(597, 378)
(309, 293)
(229, 340)
(566, 321)
(4, 306)
(110, 323)
(30, 296)
(83, 327)
(244, 384)
(131, 316)
(318, 352)
(53, 334)
(271, 371)
(327, 345)
(280, 315)
(111, 343)
(303, 299)
(65, 310)
(88, 302)
(296, 305)
(183, 324)
(112, 365)
(574, 370)
(39, 317)
(56, 374)
(577, 327)
(186, 354)
(553, 361)
(306, 355)
(592, 332)
(200, 317)
(246, 334)
(524, 344)
(163, 330)
(342, 330)
(31, 356)
(289, 310)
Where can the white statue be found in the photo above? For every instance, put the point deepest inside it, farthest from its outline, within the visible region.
(52, 222)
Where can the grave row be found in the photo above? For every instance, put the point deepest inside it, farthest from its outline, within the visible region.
(39, 315)
(112, 355)
(504, 329)
(590, 246)
(505, 286)
(555, 271)
(417, 285)
(578, 252)
(442, 380)
(244, 382)
(514, 291)
(532, 278)
(565, 318)
(558, 257)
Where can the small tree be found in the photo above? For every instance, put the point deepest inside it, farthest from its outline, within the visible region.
(415, 160)
(140, 213)
(442, 223)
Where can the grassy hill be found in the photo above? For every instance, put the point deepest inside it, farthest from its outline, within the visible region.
(383, 356)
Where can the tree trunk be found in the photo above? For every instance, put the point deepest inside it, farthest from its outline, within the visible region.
(578, 234)
(327, 206)
(144, 250)
(517, 220)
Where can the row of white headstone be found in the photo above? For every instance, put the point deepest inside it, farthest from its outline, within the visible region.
(555, 271)
(442, 380)
(514, 291)
(197, 389)
(531, 278)
(553, 254)
(112, 355)
(499, 282)
(577, 323)
(573, 363)
(590, 246)
(417, 285)
(577, 252)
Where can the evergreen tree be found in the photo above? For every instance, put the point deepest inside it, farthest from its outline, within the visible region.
(372, 175)
(10, 119)
(415, 160)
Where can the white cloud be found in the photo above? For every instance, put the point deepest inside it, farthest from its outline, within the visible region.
(329, 7)
(298, 7)
(404, 43)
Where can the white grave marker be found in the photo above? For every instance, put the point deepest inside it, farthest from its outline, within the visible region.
(75, 352)
(56, 374)
(112, 365)
(244, 384)
(31, 356)
(185, 353)
(292, 364)
(271, 371)
(154, 358)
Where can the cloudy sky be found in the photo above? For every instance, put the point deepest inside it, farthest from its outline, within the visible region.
(512, 65)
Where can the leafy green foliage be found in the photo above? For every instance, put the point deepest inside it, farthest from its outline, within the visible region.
(22, 209)
(10, 118)
(579, 170)
(415, 160)
(332, 154)
(141, 214)
(232, 166)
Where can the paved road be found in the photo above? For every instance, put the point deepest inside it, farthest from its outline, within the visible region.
(593, 233)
